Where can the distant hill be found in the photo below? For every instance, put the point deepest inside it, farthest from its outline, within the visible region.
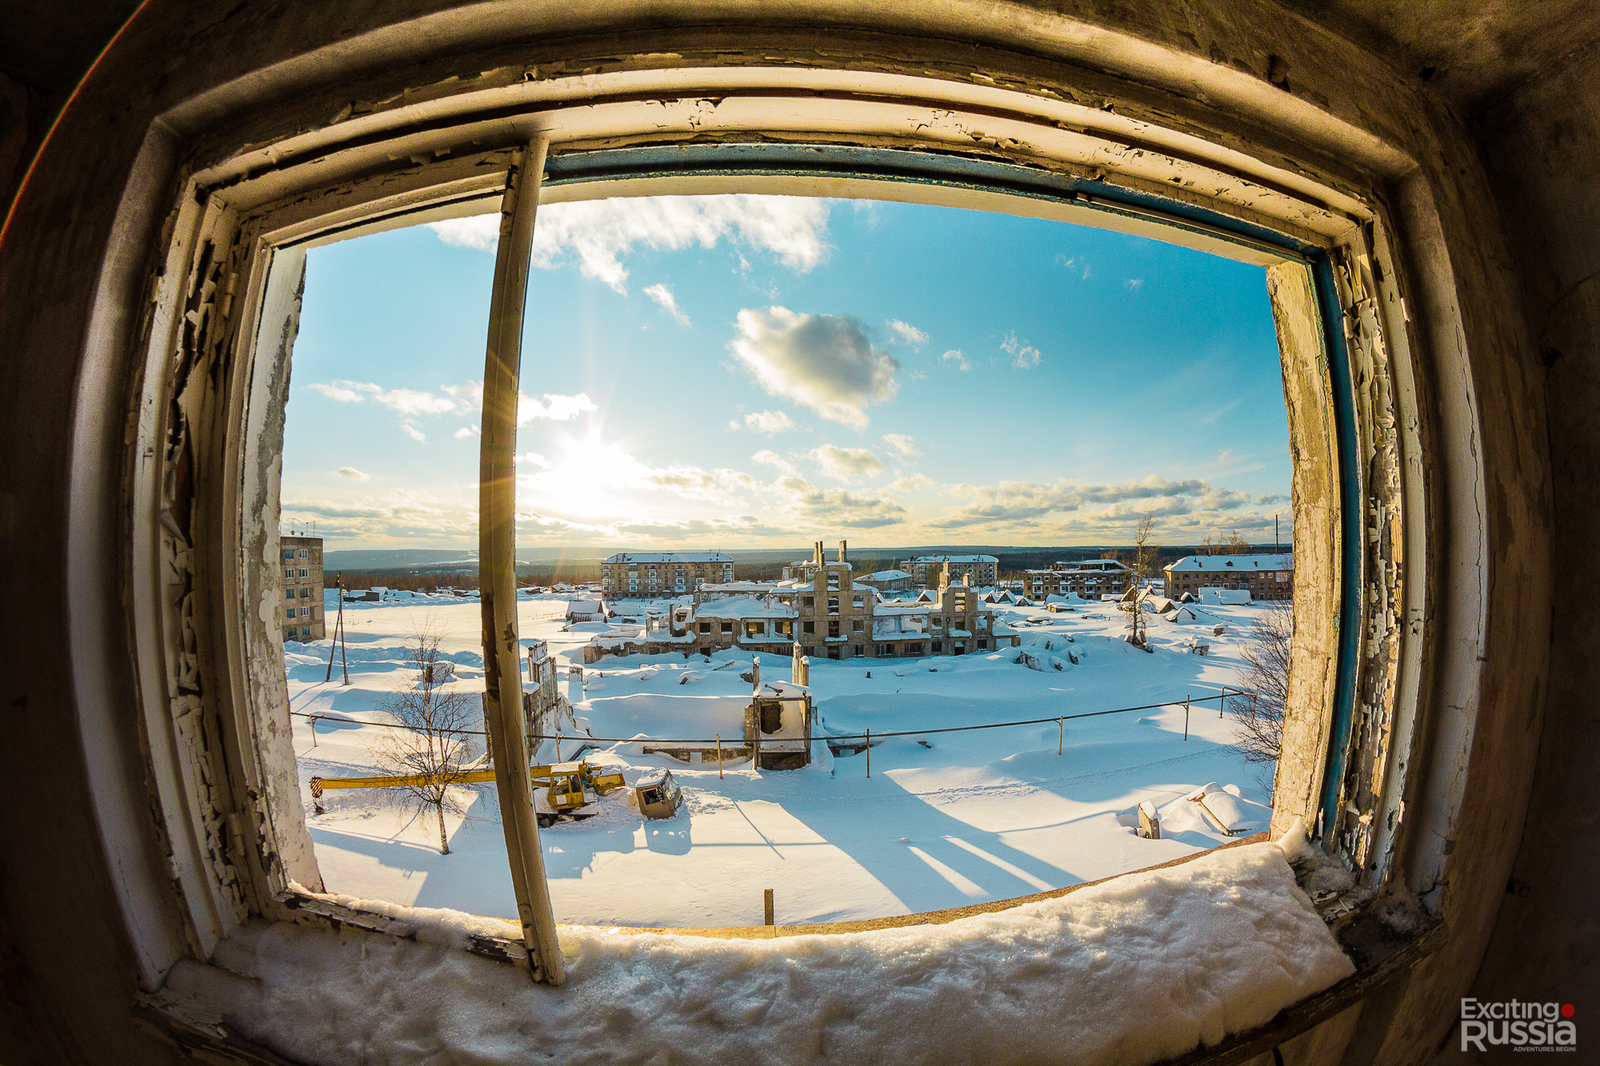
(421, 560)
(398, 559)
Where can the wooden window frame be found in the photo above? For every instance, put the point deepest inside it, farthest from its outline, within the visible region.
(225, 306)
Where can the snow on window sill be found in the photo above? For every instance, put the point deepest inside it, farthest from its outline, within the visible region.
(1139, 968)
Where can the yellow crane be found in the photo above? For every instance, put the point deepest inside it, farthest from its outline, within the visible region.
(568, 785)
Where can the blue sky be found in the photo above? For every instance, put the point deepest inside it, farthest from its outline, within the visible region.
(750, 372)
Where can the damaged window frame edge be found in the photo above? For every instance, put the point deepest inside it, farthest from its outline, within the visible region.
(215, 371)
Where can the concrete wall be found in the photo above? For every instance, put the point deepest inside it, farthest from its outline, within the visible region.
(1510, 323)
(1543, 144)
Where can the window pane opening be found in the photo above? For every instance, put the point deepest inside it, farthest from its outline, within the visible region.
(743, 412)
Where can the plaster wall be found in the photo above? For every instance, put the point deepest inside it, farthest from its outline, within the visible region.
(1542, 143)
(184, 83)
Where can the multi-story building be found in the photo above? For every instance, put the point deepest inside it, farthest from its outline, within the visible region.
(1266, 577)
(934, 571)
(887, 580)
(830, 615)
(300, 585)
(635, 575)
(1089, 579)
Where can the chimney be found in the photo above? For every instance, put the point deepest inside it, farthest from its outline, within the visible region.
(816, 552)
(841, 551)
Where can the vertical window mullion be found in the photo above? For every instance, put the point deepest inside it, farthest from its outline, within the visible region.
(497, 501)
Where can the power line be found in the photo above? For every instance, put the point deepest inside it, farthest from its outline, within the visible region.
(830, 736)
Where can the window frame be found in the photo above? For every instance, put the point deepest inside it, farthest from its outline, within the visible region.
(239, 220)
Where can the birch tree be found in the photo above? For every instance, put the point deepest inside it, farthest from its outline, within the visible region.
(434, 748)
(1258, 713)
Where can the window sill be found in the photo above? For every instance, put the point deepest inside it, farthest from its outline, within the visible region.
(202, 1023)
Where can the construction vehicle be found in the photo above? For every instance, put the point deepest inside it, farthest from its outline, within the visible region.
(657, 795)
(569, 786)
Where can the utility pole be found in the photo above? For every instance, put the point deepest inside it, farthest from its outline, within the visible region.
(338, 635)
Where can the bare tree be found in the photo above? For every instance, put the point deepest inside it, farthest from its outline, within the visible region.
(1258, 713)
(435, 750)
(1217, 544)
(1132, 601)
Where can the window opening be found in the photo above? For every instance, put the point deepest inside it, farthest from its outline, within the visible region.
(580, 488)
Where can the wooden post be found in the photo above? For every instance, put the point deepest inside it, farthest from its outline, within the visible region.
(719, 756)
(313, 720)
(767, 900)
(1185, 717)
(504, 726)
(1222, 703)
(755, 746)
(869, 753)
(1149, 823)
(1061, 734)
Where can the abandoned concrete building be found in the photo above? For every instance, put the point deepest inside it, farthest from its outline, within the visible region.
(1265, 577)
(1090, 579)
(300, 604)
(830, 614)
(1417, 181)
(630, 575)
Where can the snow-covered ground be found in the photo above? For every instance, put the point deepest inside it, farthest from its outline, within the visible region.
(944, 820)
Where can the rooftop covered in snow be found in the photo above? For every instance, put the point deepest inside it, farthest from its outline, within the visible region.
(1282, 561)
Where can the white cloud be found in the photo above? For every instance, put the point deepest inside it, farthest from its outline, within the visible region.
(1225, 458)
(597, 234)
(413, 432)
(954, 356)
(480, 232)
(1134, 284)
(669, 303)
(1224, 500)
(405, 401)
(846, 464)
(811, 506)
(1009, 501)
(1023, 502)
(1077, 266)
(694, 483)
(1143, 488)
(767, 457)
(768, 422)
(915, 481)
(825, 362)
(1272, 497)
(343, 392)
(902, 445)
(554, 406)
(908, 333)
(467, 431)
(1024, 356)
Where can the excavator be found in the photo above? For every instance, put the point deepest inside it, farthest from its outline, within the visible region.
(569, 786)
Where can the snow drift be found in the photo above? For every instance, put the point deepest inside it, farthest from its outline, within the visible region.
(1140, 968)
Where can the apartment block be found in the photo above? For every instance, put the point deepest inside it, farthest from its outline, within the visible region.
(300, 587)
(1266, 577)
(1090, 579)
(635, 575)
(932, 571)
